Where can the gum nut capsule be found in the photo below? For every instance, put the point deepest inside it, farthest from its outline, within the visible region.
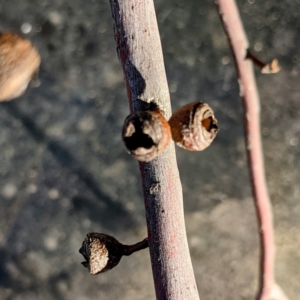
(146, 134)
(194, 126)
(102, 252)
(19, 64)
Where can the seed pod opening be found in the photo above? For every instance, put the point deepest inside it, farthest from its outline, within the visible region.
(146, 134)
(102, 252)
(19, 63)
(194, 126)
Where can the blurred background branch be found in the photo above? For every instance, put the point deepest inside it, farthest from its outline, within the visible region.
(239, 45)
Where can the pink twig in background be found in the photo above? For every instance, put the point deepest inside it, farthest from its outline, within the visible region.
(248, 90)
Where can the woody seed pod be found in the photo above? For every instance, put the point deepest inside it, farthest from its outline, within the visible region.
(19, 63)
(194, 126)
(146, 134)
(265, 68)
(271, 67)
(103, 252)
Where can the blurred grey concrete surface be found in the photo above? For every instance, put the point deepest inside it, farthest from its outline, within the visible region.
(64, 171)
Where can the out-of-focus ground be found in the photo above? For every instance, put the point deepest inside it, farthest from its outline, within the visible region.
(64, 170)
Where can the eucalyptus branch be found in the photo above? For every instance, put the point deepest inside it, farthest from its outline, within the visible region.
(140, 53)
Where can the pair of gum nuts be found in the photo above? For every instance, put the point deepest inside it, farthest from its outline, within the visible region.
(192, 127)
(19, 64)
(145, 134)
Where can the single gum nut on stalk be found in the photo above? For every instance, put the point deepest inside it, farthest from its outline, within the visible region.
(194, 126)
(103, 252)
(146, 134)
(19, 64)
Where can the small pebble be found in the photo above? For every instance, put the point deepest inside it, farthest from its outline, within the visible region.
(9, 190)
(258, 47)
(225, 60)
(26, 28)
(53, 194)
(86, 124)
(32, 188)
(294, 141)
(51, 243)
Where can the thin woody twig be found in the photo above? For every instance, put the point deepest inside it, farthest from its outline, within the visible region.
(140, 54)
(239, 46)
(130, 249)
